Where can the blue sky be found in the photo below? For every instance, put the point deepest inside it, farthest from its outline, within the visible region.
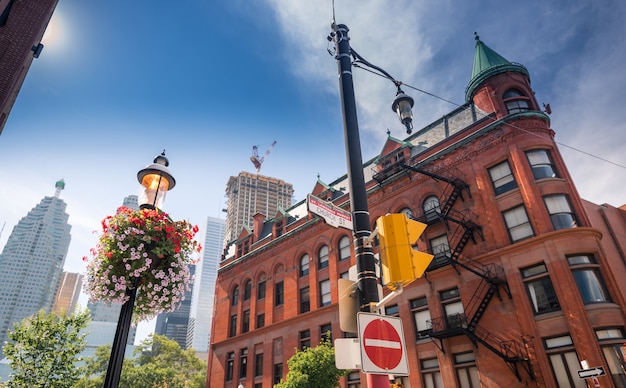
(119, 81)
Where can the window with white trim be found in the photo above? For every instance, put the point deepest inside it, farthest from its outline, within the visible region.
(541, 164)
(517, 223)
(588, 279)
(502, 178)
(560, 211)
(540, 289)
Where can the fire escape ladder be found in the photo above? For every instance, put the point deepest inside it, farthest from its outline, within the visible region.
(511, 351)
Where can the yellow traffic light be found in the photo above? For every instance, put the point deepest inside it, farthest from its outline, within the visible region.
(401, 263)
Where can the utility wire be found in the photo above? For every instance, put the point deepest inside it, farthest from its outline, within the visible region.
(485, 115)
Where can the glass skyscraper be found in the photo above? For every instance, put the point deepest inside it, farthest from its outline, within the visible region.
(31, 263)
(204, 288)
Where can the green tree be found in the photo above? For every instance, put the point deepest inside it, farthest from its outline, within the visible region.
(158, 362)
(313, 368)
(43, 350)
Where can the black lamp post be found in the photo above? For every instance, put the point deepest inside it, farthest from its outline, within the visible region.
(156, 180)
(367, 280)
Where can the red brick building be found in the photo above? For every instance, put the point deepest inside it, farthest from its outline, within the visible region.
(22, 25)
(527, 279)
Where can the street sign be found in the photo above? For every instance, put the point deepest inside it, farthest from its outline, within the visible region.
(347, 353)
(333, 215)
(383, 350)
(592, 372)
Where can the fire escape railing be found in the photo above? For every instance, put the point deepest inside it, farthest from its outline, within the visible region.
(492, 276)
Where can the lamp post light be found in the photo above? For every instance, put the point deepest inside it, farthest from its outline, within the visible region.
(156, 180)
(367, 280)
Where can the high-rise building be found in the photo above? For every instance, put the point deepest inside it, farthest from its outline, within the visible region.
(249, 194)
(22, 25)
(174, 324)
(199, 331)
(526, 288)
(31, 263)
(68, 293)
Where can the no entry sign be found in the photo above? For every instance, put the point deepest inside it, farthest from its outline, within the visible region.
(382, 345)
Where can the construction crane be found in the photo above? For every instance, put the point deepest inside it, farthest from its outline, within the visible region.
(255, 156)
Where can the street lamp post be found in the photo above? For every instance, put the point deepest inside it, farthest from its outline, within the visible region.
(156, 180)
(367, 280)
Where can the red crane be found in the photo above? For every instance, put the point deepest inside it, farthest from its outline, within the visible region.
(255, 156)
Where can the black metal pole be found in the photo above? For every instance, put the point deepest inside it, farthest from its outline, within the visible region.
(114, 369)
(367, 281)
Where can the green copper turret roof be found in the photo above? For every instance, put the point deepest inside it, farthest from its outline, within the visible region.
(488, 63)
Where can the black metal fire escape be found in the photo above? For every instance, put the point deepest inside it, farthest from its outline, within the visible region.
(492, 276)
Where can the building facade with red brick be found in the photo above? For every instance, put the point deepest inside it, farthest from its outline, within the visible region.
(22, 25)
(527, 279)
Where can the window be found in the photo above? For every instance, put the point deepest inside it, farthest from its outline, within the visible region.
(564, 361)
(305, 339)
(232, 330)
(304, 265)
(431, 375)
(440, 247)
(502, 178)
(392, 311)
(230, 365)
(466, 371)
(260, 291)
(453, 307)
(517, 223)
(245, 322)
(326, 332)
(560, 212)
(235, 296)
(258, 364)
(541, 164)
(540, 289)
(278, 373)
(587, 276)
(322, 257)
(305, 300)
(421, 317)
(515, 101)
(354, 379)
(324, 293)
(279, 293)
(431, 207)
(243, 363)
(260, 320)
(613, 346)
(344, 248)
(247, 290)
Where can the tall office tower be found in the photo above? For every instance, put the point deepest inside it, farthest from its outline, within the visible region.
(131, 202)
(31, 263)
(249, 194)
(174, 324)
(199, 331)
(22, 25)
(68, 293)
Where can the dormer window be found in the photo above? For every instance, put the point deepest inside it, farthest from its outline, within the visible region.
(515, 101)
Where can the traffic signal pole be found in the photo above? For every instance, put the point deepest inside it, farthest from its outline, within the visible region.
(367, 281)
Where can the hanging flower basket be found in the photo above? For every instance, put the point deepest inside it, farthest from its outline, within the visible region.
(143, 249)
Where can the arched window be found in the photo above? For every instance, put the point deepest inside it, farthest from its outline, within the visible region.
(431, 207)
(304, 265)
(322, 257)
(247, 290)
(234, 298)
(407, 211)
(344, 248)
(515, 101)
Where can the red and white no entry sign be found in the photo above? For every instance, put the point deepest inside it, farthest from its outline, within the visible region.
(382, 344)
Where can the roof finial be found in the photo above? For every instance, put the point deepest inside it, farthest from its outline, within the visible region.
(476, 37)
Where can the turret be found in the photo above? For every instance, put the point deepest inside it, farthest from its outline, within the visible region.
(498, 85)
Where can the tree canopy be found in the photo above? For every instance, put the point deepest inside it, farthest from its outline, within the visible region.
(313, 368)
(158, 362)
(43, 350)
